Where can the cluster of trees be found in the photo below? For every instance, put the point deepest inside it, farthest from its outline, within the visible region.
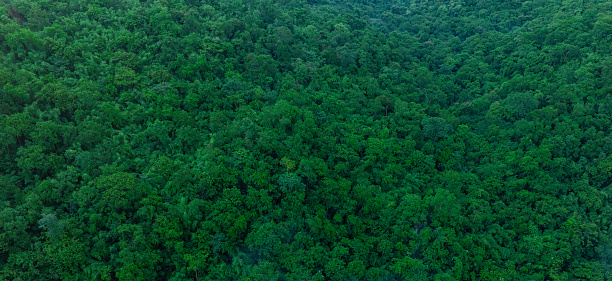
(305, 140)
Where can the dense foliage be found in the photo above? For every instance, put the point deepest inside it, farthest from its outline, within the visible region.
(305, 140)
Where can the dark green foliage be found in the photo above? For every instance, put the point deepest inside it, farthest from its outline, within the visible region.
(305, 140)
(435, 128)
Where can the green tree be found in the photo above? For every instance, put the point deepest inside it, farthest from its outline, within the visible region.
(519, 104)
(435, 128)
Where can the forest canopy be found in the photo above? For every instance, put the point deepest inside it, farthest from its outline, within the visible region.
(305, 140)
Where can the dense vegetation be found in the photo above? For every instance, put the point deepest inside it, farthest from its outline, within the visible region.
(305, 140)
